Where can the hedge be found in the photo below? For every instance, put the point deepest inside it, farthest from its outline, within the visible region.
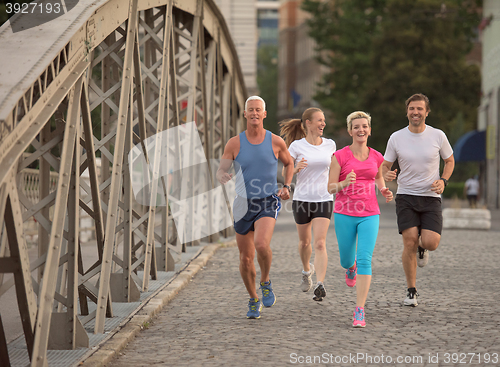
(454, 189)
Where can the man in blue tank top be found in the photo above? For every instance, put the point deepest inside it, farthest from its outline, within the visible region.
(256, 152)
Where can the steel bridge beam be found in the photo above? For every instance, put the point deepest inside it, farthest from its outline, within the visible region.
(99, 80)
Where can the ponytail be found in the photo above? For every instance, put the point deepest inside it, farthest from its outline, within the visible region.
(295, 129)
(291, 130)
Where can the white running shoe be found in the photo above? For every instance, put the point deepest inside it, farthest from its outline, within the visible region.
(307, 282)
(411, 297)
(422, 257)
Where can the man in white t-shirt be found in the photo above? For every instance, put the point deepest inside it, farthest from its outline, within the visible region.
(418, 149)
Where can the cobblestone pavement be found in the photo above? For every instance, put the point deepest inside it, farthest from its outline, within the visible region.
(457, 315)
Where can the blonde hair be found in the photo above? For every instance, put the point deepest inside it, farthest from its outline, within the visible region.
(358, 115)
(295, 129)
(255, 98)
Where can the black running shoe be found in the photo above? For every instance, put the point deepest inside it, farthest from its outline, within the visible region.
(319, 292)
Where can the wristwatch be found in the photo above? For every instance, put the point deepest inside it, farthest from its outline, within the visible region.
(288, 187)
(445, 181)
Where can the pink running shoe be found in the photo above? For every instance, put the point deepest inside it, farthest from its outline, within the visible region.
(350, 276)
(359, 317)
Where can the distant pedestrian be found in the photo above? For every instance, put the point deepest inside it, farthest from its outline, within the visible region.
(355, 171)
(471, 189)
(256, 152)
(418, 149)
(312, 204)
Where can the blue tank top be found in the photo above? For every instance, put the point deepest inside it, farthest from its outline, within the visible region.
(259, 167)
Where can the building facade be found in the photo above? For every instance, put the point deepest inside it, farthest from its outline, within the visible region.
(267, 22)
(489, 111)
(298, 70)
(241, 19)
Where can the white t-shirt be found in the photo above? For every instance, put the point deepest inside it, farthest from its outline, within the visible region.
(312, 181)
(472, 186)
(418, 156)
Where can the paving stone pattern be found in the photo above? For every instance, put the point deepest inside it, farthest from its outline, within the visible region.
(206, 325)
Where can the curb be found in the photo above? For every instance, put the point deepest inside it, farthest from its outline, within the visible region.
(109, 348)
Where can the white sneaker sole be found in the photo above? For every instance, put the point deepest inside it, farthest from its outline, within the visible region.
(410, 302)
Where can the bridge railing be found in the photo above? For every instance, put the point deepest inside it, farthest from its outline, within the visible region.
(94, 83)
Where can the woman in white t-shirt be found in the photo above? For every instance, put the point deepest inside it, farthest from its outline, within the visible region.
(312, 204)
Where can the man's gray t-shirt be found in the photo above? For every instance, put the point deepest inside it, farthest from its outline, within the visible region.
(418, 156)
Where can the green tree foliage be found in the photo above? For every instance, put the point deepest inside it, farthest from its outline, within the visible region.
(267, 81)
(382, 51)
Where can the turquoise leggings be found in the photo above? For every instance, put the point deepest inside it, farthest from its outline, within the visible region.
(366, 229)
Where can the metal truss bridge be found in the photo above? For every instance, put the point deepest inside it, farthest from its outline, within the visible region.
(77, 93)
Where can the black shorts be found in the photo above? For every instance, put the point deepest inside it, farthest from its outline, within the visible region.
(423, 212)
(304, 211)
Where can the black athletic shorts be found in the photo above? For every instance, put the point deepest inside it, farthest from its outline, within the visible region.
(424, 212)
(304, 211)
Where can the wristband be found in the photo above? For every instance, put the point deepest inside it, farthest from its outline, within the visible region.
(287, 187)
(445, 181)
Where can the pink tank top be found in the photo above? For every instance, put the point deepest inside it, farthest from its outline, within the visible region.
(358, 199)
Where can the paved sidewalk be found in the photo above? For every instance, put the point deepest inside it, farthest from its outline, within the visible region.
(206, 325)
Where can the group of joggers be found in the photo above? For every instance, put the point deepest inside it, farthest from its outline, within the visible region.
(351, 174)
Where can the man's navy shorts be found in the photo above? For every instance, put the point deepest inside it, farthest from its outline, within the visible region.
(247, 211)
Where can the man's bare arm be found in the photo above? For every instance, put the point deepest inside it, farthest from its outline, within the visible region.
(386, 171)
(287, 160)
(226, 161)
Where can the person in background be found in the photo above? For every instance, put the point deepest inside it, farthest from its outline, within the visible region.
(471, 189)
